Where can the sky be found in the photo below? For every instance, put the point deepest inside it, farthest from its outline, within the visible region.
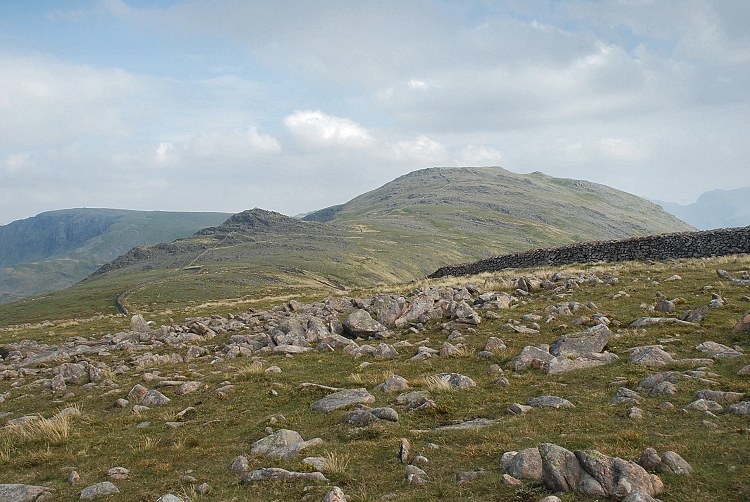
(292, 106)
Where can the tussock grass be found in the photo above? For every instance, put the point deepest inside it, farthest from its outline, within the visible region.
(336, 463)
(435, 383)
(54, 430)
(145, 444)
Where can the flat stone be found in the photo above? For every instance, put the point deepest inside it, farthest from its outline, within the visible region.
(550, 402)
(717, 350)
(342, 399)
(275, 473)
(283, 443)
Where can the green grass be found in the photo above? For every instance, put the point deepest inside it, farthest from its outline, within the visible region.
(222, 428)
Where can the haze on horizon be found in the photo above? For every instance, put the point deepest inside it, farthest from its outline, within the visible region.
(292, 106)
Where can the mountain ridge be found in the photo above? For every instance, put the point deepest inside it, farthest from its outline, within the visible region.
(56, 249)
(714, 209)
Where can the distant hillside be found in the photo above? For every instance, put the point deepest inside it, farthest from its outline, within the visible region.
(715, 209)
(56, 249)
(399, 232)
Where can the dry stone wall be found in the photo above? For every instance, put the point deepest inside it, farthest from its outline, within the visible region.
(703, 244)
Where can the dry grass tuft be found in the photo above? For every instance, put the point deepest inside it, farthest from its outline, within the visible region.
(53, 430)
(250, 370)
(145, 444)
(336, 463)
(436, 383)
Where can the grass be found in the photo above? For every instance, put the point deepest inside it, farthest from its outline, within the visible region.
(364, 460)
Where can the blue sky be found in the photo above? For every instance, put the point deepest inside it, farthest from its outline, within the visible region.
(226, 105)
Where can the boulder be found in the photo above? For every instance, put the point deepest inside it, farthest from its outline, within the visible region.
(592, 340)
(360, 324)
(284, 444)
(102, 489)
(24, 493)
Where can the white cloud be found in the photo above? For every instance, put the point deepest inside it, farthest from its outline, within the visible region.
(422, 149)
(478, 155)
(19, 162)
(320, 129)
(232, 144)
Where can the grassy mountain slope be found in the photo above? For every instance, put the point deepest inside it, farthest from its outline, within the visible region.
(715, 209)
(394, 234)
(56, 249)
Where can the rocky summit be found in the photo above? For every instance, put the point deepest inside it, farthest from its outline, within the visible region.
(539, 384)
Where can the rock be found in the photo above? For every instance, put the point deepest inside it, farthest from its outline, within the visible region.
(664, 306)
(118, 473)
(188, 388)
(551, 498)
(73, 478)
(560, 365)
(592, 340)
(477, 423)
(719, 396)
(550, 402)
(464, 477)
(741, 408)
(360, 324)
(519, 409)
(393, 383)
(416, 401)
(169, 497)
(360, 418)
(627, 396)
(717, 350)
(275, 473)
(72, 373)
(531, 356)
(387, 309)
(203, 488)
(494, 344)
(464, 313)
(696, 315)
(561, 471)
(653, 321)
(415, 475)
(240, 465)
(385, 351)
(526, 464)
(510, 480)
(650, 459)
(317, 463)
(98, 490)
(673, 463)
(138, 324)
(457, 380)
(743, 324)
(24, 493)
(404, 451)
(639, 497)
(137, 392)
(336, 494)
(704, 405)
(617, 477)
(284, 444)
(342, 399)
(154, 398)
(652, 356)
(663, 389)
(635, 413)
(387, 414)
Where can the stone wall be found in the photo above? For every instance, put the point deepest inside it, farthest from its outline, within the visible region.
(653, 247)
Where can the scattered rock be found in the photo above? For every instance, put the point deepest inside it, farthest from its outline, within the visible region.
(283, 443)
(335, 494)
(652, 356)
(154, 398)
(550, 402)
(24, 493)
(275, 473)
(393, 383)
(118, 473)
(342, 399)
(717, 350)
(99, 490)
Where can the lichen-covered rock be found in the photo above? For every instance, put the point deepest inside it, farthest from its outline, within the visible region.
(283, 443)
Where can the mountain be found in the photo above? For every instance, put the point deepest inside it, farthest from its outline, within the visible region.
(56, 249)
(715, 209)
(397, 233)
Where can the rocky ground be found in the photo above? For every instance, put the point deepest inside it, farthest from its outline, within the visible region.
(625, 382)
